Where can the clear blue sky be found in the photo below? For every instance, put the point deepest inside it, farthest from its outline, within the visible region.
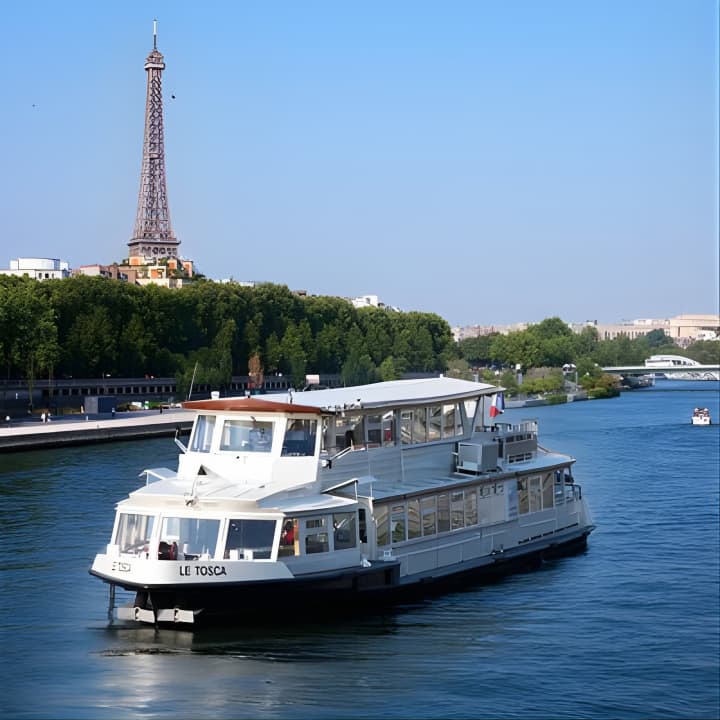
(490, 161)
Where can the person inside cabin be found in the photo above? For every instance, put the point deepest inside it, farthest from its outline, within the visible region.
(288, 534)
(349, 438)
(260, 439)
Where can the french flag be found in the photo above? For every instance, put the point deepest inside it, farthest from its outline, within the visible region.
(497, 405)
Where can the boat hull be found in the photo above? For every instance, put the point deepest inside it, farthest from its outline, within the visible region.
(369, 589)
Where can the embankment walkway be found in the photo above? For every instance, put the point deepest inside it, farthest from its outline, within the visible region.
(33, 434)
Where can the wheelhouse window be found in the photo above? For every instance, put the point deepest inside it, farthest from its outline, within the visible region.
(133, 532)
(202, 433)
(192, 537)
(250, 539)
(247, 435)
(299, 440)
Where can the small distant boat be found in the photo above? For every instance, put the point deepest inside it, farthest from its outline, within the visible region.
(701, 416)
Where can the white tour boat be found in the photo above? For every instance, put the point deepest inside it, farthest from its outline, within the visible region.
(339, 496)
(687, 368)
(700, 416)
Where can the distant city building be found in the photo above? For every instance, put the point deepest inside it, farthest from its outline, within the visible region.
(681, 329)
(38, 268)
(370, 301)
(111, 272)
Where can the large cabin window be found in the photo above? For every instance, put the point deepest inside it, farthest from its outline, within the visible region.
(380, 430)
(535, 493)
(133, 533)
(202, 433)
(250, 539)
(413, 519)
(299, 440)
(289, 538)
(382, 521)
(192, 537)
(451, 421)
(388, 429)
(471, 511)
(247, 435)
(374, 430)
(419, 426)
(429, 516)
(457, 510)
(316, 536)
(434, 429)
(397, 523)
(547, 491)
(406, 419)
(443, 512)
(344, 531)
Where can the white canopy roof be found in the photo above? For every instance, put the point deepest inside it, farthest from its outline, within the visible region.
(391, 393)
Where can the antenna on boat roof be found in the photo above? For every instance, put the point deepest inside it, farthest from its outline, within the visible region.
(192, 381)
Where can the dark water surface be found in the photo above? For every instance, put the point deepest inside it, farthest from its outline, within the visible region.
(628, 629)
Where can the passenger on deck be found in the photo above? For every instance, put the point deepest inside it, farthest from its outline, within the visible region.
(288, 534)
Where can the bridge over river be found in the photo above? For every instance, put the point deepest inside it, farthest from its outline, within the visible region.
(673, 372)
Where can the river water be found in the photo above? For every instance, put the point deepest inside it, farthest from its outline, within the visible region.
(627, 629)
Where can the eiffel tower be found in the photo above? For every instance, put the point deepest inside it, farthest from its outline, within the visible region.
(153, 238)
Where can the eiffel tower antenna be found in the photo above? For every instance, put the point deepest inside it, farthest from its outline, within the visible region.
(153, 237)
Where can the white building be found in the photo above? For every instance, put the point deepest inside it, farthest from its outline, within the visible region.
(38, 268)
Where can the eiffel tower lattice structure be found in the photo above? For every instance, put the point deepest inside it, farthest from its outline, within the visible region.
(153, 238)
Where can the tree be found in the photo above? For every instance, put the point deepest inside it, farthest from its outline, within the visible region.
(476, 350)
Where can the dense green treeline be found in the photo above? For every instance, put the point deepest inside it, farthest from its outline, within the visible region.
(90, 327)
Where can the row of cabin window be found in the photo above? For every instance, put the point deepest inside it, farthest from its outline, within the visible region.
(411, 426)
(193, 538)
(319, 534)
(446, 511)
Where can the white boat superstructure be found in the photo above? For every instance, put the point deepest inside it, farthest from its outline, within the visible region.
(336, 495)
(700, 416)
(687, 368)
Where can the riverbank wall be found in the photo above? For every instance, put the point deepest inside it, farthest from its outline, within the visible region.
(62, 431)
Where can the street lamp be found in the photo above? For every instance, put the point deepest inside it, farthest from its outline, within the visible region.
(571, 368)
